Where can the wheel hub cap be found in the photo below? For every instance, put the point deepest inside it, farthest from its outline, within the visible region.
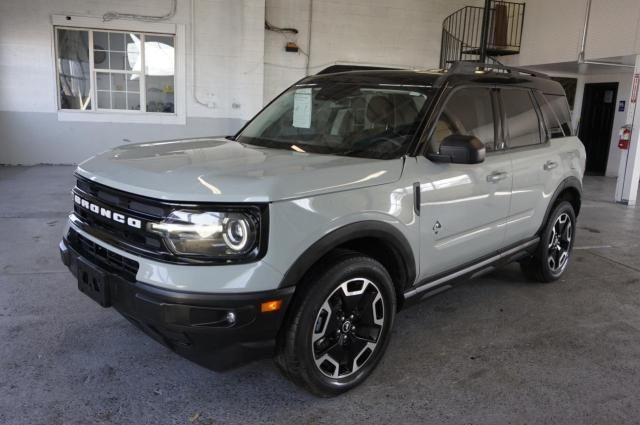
(347, 328)
(560, 244)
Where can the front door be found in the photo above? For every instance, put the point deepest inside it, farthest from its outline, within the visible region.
(463, 207)
(596, 123)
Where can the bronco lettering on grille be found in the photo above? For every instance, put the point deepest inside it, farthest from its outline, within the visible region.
(104, 212)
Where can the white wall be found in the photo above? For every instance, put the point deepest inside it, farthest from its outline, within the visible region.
(403, 33)
(229, 46)
(229, 58)
(281, 68)
(552, 30)
(613, 28)
(238, 65)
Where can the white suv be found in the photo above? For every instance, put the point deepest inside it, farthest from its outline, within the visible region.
(346, 197)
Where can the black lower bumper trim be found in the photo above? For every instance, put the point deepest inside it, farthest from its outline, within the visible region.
(219, 331)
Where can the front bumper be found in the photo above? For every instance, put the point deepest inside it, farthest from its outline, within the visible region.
(195, 325)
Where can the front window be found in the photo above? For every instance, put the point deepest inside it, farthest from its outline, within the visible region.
(119, 71)
(469, 112)
(377, 121)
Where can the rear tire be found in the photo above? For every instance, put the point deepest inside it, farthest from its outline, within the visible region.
(339, 324)
(556, 244)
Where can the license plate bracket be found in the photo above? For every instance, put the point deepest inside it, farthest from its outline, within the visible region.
(92, 282)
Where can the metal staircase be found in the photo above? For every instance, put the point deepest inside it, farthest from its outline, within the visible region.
(480, 34)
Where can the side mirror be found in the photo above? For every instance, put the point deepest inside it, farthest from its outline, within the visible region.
(460, 149)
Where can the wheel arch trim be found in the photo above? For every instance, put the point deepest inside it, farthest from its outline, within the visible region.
(568, 183)
(385, 232)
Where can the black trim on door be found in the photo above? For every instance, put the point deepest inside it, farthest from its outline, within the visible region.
(505, 255)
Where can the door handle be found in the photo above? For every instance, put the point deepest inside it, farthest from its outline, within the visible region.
(549, 165)
(496, 176)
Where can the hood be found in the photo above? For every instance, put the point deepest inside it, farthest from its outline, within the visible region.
(219, 170)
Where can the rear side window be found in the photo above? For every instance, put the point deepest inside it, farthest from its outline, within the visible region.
(523, 126)
(560, 108)
(469, 112)
(551, 121)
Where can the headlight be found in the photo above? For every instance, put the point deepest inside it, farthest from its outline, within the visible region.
(216, 234)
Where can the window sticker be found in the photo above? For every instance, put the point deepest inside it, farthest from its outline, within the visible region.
(302, 108)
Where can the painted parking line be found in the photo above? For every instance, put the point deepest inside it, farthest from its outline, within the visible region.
(593, 247)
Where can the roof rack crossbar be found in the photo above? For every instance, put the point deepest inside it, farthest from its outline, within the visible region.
(469, 67)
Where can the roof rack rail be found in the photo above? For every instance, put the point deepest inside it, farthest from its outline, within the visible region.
(346, 68)
(469, 67)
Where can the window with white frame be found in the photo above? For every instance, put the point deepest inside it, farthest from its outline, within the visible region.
(117, 71)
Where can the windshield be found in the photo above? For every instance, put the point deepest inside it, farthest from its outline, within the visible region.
(342, 119)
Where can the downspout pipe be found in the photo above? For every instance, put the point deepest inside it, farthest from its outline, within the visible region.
(583, 44)
(310, 32)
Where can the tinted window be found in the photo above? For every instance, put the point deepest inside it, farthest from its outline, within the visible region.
(522, 120)
(551, 121)
(560, 107)
(468, 111)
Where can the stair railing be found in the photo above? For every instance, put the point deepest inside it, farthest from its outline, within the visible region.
(462, 32)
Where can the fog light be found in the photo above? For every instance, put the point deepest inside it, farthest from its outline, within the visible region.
(231, 317)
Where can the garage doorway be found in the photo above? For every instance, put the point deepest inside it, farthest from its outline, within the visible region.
(596, 123)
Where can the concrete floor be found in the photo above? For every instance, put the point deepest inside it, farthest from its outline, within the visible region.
(494, 350)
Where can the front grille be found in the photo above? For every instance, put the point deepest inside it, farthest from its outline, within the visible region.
(122, 200)
(122, 235)
(108, 260)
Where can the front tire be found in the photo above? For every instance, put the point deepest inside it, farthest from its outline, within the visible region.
(556, 244)
(339, 325)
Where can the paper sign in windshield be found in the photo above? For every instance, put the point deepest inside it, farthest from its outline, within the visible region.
(302, 108)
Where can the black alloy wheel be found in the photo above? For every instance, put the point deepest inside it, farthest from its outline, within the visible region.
(338, 325)
(553, 253)
(559, 243)
(348, 328)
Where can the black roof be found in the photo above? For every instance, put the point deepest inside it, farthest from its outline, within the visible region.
(465, 73)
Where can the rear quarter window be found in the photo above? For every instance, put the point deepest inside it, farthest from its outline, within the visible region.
(558, 111)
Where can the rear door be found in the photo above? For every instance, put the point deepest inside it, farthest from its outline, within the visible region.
(463, 207)
(535, 163)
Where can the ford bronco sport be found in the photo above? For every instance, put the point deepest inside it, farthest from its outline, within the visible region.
(345, 198)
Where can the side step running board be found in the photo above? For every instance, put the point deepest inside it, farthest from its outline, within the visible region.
(470, 269)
